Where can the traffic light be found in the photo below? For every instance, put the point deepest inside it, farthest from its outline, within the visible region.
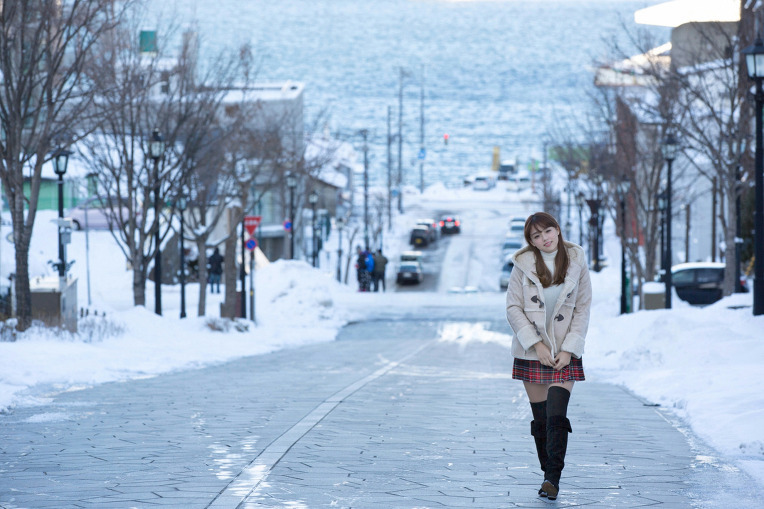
(445, 139)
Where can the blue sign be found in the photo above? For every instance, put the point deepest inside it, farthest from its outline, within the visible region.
(288, 225)
(422, 153)
(251, 244)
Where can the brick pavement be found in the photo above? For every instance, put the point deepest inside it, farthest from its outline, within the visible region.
(386, 416)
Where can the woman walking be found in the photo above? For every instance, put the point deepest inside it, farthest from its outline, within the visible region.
(548, 301)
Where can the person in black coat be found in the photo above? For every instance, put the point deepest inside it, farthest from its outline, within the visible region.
(216, 270)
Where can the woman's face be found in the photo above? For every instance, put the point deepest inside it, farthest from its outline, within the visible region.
(546, 240)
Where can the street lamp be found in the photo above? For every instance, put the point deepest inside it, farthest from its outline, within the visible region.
(661, 201)
(156, 151)
(754, 59)
(291, 182)
(313, 200)
(60, 162)
(624, 187)
(669, 148)
(182, 208)
(594, 221)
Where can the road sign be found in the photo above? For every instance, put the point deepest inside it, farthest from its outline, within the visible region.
(251, 244)
(288, 225)
(251, 223)
(422, 154)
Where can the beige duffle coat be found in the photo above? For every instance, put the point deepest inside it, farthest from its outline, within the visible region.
(526, 309)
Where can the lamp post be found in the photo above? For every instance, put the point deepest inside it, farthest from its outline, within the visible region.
(661, 199)
(624, 186)
(156, 151)
(60, 162)
(313, 200)
(594, 221)
(291, 182)
(754, 59)
(182, 208)
(669, 148)
(340, 226)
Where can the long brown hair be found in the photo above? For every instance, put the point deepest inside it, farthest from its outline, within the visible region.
(541, 221)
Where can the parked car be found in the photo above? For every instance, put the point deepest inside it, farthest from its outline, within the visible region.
(506, 271)
(432, 228)
(450, 224)
(95, 215)
(483, 183)
(420, 236)
(521, 179)
(510, 245)
(699, 282)
(517, 220)
(409, 272)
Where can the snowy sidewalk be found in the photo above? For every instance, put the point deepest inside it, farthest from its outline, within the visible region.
(393, 414)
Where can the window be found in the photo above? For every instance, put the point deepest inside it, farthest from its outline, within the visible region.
(710, 276)
(683, 277)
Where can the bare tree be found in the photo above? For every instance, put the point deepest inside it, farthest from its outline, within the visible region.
(143, 92)
(712, 115)
(44, 48)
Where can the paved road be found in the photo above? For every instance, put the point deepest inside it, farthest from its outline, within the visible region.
(390, 415)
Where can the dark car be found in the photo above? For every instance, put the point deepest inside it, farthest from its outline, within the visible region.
(420, 236)
(700, 282)
(431, 227)
(410, 272)
(450, 224)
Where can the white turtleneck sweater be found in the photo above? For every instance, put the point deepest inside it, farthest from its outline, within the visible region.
(551, 293)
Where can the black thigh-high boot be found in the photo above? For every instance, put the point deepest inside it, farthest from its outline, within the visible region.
(538, 430)
(558, 427)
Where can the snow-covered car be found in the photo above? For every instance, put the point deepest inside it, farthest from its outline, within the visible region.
(412, 256)
(700, 282)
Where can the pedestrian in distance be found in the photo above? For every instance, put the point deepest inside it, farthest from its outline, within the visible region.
(548, 303)
(215, 264)
(378, 274)
(360, 267)
(369, 269)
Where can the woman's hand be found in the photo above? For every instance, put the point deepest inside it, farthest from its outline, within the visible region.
(562, 360)
(544, 354)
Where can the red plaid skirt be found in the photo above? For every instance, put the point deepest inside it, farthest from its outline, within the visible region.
(537, 373)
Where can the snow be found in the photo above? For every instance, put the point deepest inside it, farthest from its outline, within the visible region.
(689, 359)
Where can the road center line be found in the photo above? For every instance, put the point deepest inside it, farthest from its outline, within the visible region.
(258, 469)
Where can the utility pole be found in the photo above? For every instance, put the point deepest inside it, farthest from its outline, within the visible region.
(365, 133)
(389, 169)
(421, 135)
(400, 140)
